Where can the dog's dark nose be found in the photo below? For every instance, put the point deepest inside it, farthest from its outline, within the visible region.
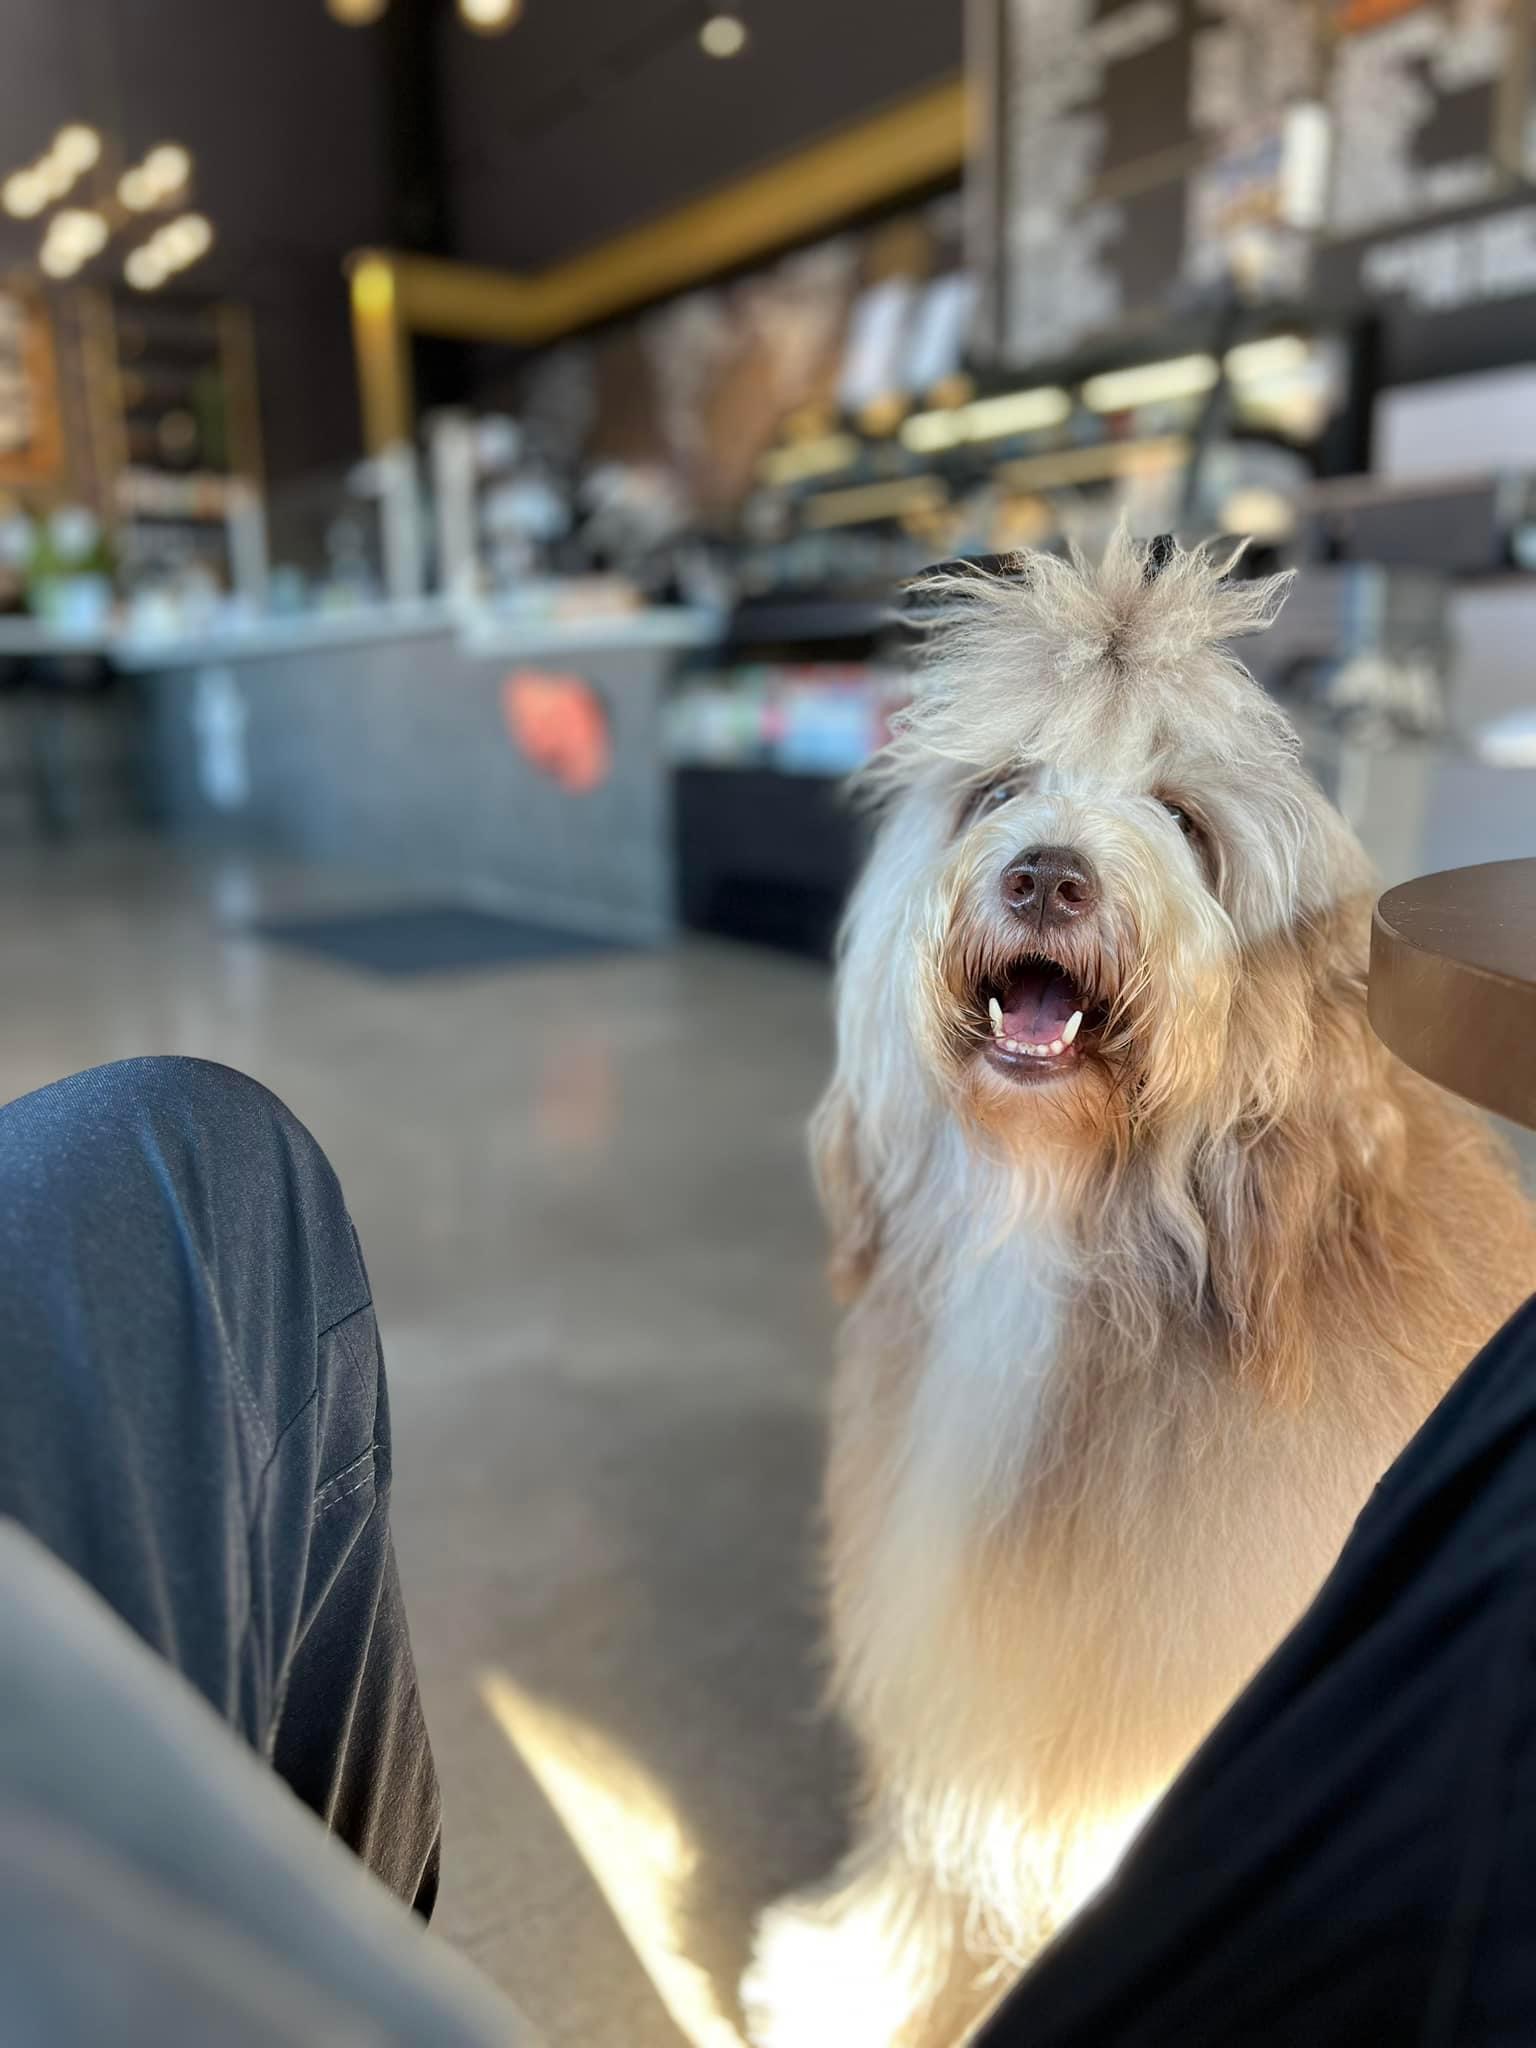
(1050, 885)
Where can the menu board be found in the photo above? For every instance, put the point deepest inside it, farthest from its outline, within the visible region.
(1249, 59)
(1252, 87)
(1413, 93)
(1151, 150)
(1089, 88)
(1137, 139)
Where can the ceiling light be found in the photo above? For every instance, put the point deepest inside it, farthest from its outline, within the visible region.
(723, 35)
(1279, 355)
(144, 269)
(168, 168)
(58, 260)
(1019, 412)
(925, 433)
(489, 17)
(1150, 384)
(136, 191)
(182, 241)
(355, 13)
(77, 146)
(80, 231)
(24, 194)
(53, 176)
(987, 419)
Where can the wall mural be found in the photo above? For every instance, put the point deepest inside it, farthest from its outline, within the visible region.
(699, 388)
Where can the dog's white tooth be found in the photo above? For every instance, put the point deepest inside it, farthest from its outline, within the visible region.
(1013, 1045)
(1074, 1025)
(1058, 1045)
(995, 1012)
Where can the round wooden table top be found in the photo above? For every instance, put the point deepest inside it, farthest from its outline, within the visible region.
(1453, 981)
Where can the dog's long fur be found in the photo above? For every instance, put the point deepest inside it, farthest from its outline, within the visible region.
(1126, 1351)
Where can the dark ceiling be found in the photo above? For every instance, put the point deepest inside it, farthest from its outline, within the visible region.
(594, 114)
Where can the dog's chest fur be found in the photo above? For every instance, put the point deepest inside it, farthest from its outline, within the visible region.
(980, 1393)
(958, 1446)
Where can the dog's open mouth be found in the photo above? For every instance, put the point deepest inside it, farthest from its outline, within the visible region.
(1039, 1020)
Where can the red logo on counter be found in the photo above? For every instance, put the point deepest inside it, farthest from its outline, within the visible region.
(560, 725)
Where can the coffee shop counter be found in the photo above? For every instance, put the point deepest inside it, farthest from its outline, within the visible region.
(513, 761)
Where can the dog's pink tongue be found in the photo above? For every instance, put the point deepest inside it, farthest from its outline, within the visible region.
(1038, 1002)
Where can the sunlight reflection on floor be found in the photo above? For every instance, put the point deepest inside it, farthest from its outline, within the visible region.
(625, 1829)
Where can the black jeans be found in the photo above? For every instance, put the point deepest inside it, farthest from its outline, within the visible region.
(1351, 1857)
(193, 1418)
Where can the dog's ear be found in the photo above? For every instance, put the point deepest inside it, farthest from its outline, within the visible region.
(847, 1199)
(1161, 550)
(1297, 1203)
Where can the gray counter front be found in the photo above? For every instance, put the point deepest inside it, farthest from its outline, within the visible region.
(393, 748)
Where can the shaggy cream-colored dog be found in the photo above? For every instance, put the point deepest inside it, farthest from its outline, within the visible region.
(1154, 1258)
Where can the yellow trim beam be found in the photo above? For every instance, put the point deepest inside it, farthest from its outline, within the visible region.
(912, 144)
(381, 348)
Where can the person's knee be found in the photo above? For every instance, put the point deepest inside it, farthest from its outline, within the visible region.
(180, 1120)
(218, 1102)
(170, 1135)
(157, 1085)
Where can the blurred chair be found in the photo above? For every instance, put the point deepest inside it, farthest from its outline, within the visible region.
(69, 745)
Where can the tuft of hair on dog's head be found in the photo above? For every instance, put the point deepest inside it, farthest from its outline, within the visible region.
(1014, 646)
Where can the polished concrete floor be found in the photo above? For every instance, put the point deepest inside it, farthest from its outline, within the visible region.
(582, 1196)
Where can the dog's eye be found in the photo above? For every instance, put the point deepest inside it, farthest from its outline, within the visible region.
(1181, 818)
(982, 798)
(1201, 845)
(991, 797)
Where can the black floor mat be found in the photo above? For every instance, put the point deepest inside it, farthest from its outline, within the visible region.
(431, 939)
